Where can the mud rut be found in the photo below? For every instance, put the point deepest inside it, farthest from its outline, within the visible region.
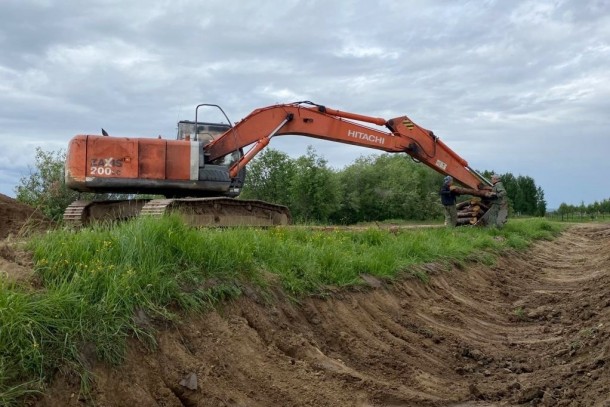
(533, 330)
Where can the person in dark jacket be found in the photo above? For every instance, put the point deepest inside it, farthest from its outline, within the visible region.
(448, 198)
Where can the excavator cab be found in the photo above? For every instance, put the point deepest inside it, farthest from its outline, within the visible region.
(205, 132)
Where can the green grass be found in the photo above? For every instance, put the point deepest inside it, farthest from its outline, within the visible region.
(97, 283)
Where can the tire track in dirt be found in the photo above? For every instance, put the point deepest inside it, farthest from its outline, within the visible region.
(531, 330)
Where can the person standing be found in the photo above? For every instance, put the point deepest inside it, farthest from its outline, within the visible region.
(499, 203)
(448, 198)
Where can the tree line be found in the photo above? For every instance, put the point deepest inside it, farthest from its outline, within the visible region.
(594, 210)
(372, 188)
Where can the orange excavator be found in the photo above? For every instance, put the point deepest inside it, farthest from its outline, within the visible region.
(202, 172)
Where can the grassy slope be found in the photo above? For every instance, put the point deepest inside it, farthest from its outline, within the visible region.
(97, 281)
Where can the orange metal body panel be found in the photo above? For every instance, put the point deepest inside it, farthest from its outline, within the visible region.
(76, 159)
(112, 157)
(178, 164)
(153, 156)
(121, 157)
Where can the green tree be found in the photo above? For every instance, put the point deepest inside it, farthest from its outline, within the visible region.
(540, 202)
(411, 189)
(269, 177)
(314, 190)
(529, 193)
(355, 182)
(388, 186)
(604, 206)
(563, 210)
(582, 209)
(428, 186)
(594, 209)
(44, 188)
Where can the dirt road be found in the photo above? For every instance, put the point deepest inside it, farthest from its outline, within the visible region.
(532, 330)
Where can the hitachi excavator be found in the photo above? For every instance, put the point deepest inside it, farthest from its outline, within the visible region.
(202, 172)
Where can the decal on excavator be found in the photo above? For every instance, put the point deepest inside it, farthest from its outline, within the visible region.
(363, 136)
(106, 166)
(408, 123)
(440, 164)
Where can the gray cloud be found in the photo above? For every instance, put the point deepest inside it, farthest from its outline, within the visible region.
(519, 87)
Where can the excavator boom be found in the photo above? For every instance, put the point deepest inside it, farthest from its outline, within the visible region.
(317, 121)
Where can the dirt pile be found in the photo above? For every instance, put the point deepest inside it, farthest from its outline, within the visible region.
(16, 218)
(532, 330)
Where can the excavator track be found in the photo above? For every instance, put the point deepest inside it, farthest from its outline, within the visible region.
(220, 211)
(198, 212)
(81, 213)
(75, 213)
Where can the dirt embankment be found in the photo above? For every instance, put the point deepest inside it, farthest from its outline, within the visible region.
(17, 218)
(533, 330)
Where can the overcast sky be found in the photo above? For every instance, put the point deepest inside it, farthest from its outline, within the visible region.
(511, 86)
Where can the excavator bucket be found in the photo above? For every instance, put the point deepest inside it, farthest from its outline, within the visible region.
(500, 219)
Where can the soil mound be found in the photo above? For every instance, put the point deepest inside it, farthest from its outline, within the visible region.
(17, 218)
(532, 330)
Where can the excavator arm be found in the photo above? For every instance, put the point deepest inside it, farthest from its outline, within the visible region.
(312, 120)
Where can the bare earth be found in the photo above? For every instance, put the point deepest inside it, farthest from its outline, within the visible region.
(17, 220)
(533, 330)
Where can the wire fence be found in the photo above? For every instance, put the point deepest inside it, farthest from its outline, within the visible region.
(577, 216)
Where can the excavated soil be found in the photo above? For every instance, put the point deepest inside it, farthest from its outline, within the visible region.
(17, 218)
(532, 330)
